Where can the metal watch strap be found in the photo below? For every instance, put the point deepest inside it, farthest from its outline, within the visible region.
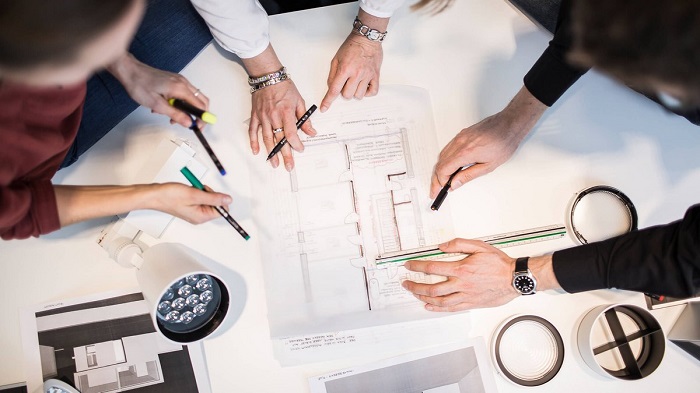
(367, 32)
(521, 265)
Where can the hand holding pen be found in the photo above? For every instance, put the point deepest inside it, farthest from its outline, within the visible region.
(219, 209)
(440, 198)
(205, 116)
(299, 123)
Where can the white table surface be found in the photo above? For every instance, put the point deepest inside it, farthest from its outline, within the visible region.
(471, 58)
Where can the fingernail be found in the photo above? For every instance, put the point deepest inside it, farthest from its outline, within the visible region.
(456, 184)
(288, 166)
(324, 108)
(442, 244)
(227, 200)
(274, 164)
(429, 307)
(403, 284)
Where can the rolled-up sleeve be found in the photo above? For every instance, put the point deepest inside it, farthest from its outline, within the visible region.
(380, 8)
(28, 209)
(239, 26)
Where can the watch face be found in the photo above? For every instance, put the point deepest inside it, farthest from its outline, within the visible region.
(524, 284)
(373, 35)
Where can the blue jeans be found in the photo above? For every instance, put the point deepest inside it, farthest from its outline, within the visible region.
(171, 35)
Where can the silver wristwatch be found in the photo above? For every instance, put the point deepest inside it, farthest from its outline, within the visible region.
(366, 31)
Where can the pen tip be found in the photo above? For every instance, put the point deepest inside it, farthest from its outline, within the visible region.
(247, 237)
(223, 172)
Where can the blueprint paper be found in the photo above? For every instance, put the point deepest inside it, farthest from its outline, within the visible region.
(360, 188)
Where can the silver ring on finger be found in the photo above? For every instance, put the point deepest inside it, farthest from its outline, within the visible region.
(277, 130)
(196, 93)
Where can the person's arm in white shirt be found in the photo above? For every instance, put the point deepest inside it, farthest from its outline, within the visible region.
(241, 27)
(356, 66)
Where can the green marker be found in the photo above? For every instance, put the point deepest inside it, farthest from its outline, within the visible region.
(220, 209)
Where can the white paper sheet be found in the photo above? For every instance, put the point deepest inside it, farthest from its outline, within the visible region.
(456, 368)
(384, 340)
(60, 340)
(360, 188)
(163, 167)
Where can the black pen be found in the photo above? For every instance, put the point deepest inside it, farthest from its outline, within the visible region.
(443, 192)
(207, 117)
(659, 298)
(300, 123)
(204, 142)
(219, 209)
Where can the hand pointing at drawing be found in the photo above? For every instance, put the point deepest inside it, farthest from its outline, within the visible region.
(355, 68)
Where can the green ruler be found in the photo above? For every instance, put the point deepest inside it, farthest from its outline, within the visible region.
(502, 240)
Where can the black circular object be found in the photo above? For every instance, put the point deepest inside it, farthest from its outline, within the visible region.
(539, 365)
(210, 321)
(631, 211)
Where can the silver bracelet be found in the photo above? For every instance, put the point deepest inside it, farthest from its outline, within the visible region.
(269, 82)
(252, 81)
(371, 34)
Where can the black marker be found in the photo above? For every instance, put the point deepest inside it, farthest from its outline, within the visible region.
(219, 209)
(188, 108)
(204, 142)
(443, 192)
(300, 123)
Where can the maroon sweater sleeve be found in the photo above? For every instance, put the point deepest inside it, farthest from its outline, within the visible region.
(37, 127)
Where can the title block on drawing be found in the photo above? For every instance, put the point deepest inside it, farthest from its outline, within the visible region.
(163, 167)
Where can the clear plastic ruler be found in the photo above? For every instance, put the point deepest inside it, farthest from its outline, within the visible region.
(502, 240)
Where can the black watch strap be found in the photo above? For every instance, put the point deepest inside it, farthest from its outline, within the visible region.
(521, 265)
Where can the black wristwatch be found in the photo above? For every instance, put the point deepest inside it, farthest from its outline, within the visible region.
(523, 280)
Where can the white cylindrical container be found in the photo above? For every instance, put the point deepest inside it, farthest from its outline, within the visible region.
(621, 341)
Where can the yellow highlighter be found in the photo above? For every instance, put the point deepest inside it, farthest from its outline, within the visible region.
(186, 107)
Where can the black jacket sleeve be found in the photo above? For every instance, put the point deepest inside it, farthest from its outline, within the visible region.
(552, 75)
(663, 260)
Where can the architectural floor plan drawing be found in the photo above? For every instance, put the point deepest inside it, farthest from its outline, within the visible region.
(358, 190)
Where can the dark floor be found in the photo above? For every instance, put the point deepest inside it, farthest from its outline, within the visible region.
(21, 389)
(280, 6)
